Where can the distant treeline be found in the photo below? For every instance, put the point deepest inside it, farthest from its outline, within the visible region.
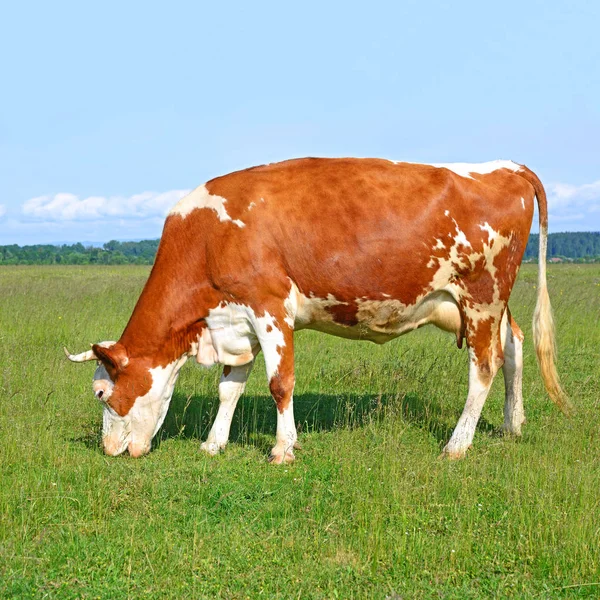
(111, 253)
(577, 247)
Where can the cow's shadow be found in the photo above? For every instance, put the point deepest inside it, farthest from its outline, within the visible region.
(254, 421)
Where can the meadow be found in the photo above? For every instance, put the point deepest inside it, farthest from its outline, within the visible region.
(368, 510)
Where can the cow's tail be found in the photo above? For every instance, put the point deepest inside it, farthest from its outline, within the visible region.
(543, 323)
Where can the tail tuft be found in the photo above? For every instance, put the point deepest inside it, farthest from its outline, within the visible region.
(545, 349)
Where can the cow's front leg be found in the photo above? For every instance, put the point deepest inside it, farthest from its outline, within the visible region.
(277, 342)
(231, 387)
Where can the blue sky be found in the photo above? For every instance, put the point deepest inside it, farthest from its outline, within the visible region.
(110, 111)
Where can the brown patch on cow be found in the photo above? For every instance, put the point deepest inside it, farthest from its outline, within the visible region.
(344, 313)
(281, 390)
(507, 263)
(540, 193)
(516, 330)
(131, 379)
(269, 328)
(479, 337)
(114, 357)
(278, 390)
(479, 282)
(130, 383)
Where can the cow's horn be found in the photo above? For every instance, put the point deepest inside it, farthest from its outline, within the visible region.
(84, 356)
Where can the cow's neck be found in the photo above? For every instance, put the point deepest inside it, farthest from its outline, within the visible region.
(169, 314)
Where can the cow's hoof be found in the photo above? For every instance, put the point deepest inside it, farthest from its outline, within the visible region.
(511, 431)
(448, 454)
(281, 459)
(211, 448)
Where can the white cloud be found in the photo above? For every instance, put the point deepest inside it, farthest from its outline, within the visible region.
(575, 205)
(69, 207)
(564, 195)
(2, 210)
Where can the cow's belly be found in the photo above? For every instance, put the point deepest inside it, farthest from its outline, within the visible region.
(377, 321)
(234, 330)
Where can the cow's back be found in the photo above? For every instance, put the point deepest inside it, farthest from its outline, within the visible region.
(365, 228)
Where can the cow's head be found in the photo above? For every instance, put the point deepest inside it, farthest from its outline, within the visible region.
(134, 394)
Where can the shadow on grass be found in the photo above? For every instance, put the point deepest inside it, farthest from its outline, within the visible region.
(255, 419)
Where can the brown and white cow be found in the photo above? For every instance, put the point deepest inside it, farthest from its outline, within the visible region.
(364, 249)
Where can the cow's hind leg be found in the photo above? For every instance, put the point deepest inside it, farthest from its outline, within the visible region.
(231, 387)
(276, 338)
(485, 358)
(514, 414)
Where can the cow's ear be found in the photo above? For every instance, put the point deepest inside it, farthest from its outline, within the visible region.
(114, 357)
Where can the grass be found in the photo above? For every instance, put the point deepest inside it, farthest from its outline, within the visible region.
(367, 511)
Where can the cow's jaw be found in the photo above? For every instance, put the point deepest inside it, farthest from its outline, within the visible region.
(135, 430)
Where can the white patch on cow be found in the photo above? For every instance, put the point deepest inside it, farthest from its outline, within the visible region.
(193, 351)
(460, 238)
(283, 451)
(231, 387)
(447, 213)
(290, 305)
(490, 231)
(272, 342)
(312, 310)
(439, 245)
(523, 203)
(136, 429)
(206, 355)
(116, 432)
(149, 411)
(251, 205)
(235, 331)
(201, 198)
(467, 169)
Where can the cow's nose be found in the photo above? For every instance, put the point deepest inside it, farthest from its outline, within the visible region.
(136, 449)
(113, 446)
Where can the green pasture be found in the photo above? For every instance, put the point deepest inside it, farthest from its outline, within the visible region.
(368, 510)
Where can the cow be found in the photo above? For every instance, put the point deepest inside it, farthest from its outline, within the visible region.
(364, 249)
